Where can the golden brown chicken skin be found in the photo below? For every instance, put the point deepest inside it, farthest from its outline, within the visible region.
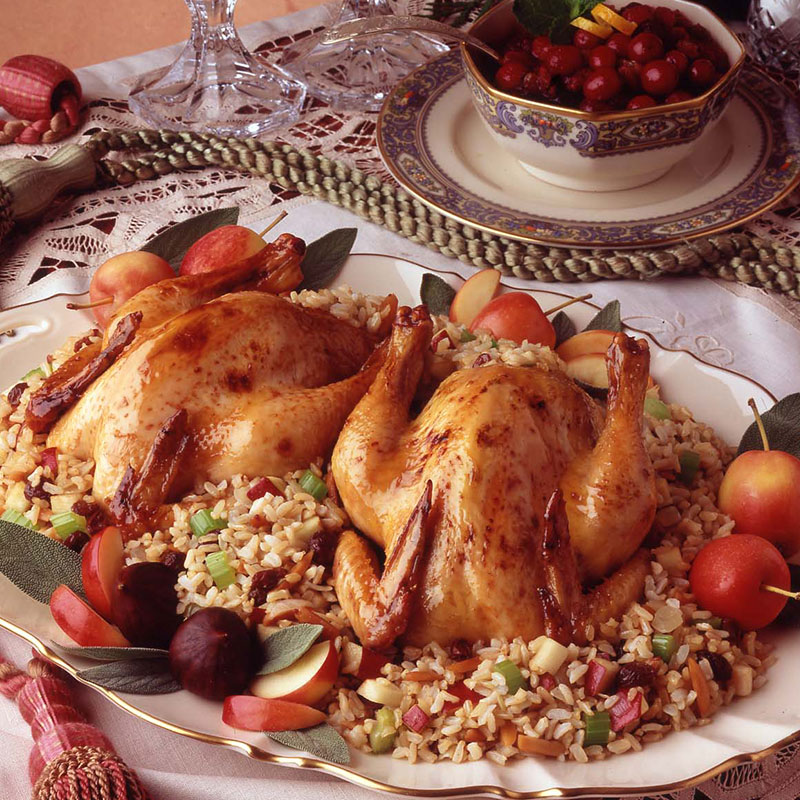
(265, 385)
(466, 499)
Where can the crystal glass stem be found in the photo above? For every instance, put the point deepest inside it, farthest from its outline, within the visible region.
(358, 74)
(216, 85)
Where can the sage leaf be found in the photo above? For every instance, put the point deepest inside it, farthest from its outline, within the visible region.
(142, 676)
(782, 424)
(325, 258)
(173, 243)
(322, 741)
(607, 319)
(437, 294)
(111, 653)
(564, 327)
(37, 564)
(285, 646)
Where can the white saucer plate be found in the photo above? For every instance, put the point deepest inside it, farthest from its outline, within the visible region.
(749, 729)
(434, 143)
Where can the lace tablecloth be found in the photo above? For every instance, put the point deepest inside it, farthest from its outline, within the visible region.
(728, 325)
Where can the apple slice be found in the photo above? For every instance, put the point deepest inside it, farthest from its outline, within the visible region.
(361, 661)
(101, 562)
(81, 622)
(591, 372)
(308, 680)
(582, 344)
(473, 296)
(600, 676)
(250, 713)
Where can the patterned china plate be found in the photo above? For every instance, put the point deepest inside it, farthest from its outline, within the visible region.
(435, 144)
(747, 730)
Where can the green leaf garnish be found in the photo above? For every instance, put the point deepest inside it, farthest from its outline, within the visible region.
(551, 17)
(437, 294)
(142, 676)
(285, 646)
(322, 741)
(564, 327)
(325, 258)
(111, 653)
(782, 426)
(173, 243)
(607, 319)
(37, 564)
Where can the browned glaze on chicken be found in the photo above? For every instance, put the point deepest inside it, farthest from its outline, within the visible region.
(266, 386)
(276, 269)
(495, 444)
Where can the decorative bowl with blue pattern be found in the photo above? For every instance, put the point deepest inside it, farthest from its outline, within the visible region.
(594, 151)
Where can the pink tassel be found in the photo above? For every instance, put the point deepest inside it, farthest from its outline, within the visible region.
(70, 759)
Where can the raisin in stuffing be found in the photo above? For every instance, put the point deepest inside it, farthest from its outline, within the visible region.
(460, 650)
(323, 544)
(15, 393)
(173, 559)
(93, 514)
(637, 673)
(719, 665)
(264, 582)
(36, 491)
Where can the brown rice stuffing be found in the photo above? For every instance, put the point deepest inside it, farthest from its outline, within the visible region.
(273, 532)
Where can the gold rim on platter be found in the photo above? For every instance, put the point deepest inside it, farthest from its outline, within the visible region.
(348, 774)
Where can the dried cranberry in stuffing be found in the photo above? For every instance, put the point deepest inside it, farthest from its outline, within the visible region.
(76, 541)
(49, 460)
(262, 487)
(15, 393)
(719, 665)
(323, 545)
(264, 582)
(637, 673)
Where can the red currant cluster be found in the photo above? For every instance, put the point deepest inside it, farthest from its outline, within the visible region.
(667, 59)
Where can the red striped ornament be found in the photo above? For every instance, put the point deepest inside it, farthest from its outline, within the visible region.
(35, 87)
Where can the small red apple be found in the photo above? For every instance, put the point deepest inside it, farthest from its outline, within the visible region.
(222, 247)
(250, 713)
(516, 316)
(308, 680)
(121, 277)
(81, 622)
(470, 299)
(761, 493)
(101, 562)
(728, 574)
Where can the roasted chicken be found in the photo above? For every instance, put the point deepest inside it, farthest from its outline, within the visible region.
(266, 386)
(466, 499)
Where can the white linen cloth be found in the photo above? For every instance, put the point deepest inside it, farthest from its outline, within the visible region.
(725, 324)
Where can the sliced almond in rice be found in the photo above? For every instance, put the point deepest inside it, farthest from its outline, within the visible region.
(508, 734)
(540, 747)
(468, 665)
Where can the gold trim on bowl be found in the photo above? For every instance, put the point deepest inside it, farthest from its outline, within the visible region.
(683, 237)
(349, 774)
(593, 116)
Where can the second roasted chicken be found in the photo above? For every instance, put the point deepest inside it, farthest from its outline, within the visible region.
(497, 504)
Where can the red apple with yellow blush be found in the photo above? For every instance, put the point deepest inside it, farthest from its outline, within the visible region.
(220, 248)
(120, 278)
(761, 493)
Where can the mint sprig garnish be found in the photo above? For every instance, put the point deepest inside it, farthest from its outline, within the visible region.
(551, 17)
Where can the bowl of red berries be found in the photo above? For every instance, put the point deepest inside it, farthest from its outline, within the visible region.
(594, 97)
